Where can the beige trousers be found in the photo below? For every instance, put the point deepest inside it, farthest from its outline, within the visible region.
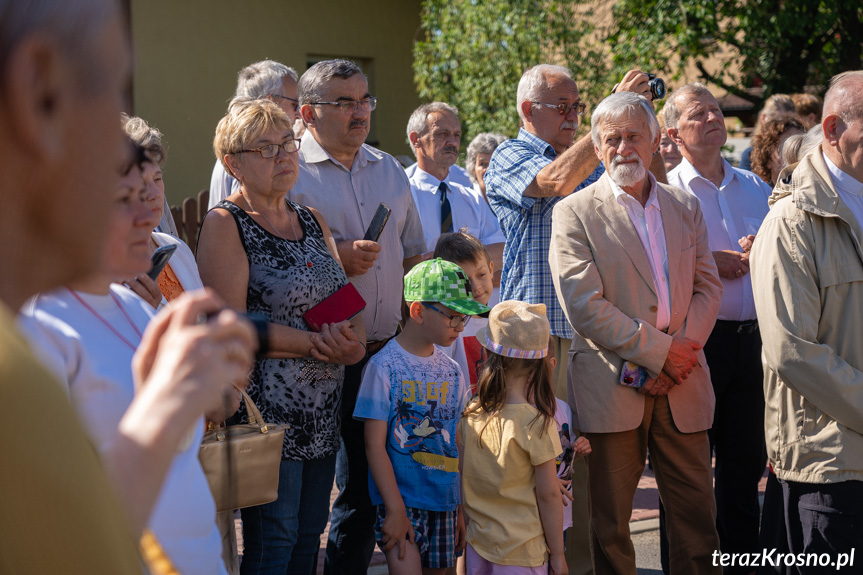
(681, 463)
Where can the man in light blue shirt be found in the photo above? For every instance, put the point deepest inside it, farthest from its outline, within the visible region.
(734, 203)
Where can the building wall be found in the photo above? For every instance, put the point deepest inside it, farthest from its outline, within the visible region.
(188, 53)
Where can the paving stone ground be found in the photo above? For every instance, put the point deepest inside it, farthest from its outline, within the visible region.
(645, 506)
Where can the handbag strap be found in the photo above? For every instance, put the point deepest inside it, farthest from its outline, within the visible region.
(252, 411)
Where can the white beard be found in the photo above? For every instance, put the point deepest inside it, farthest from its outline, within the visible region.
(626, 175)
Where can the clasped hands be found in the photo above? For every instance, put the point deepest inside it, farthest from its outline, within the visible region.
(679, 363)
(336, 343)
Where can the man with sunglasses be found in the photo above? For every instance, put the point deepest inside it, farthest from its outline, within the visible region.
(264, 79)
(346, 179)
(526, 177)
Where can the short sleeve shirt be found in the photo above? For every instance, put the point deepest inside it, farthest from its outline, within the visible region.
(501, 452)
(348, 199)
(421, 399)
(526, 223)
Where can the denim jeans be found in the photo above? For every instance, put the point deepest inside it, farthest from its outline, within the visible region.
(352, 539)
(284, 536)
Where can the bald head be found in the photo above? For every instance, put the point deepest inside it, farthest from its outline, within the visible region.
(843, 123)
(843, 97)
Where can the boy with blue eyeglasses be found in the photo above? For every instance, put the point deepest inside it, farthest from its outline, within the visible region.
(411, 398)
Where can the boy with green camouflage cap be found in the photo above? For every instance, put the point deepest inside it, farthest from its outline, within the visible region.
(411, 399)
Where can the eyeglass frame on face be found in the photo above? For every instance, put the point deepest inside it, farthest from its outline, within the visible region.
(350, 105)
(297, 102)
(284, 146)
(563, 108)
(459, 320)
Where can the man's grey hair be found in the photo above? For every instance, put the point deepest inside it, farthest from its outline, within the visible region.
(418, 120)
(620, 105)
(843, 96)
(534, 81)
(73, 24)
(262, 79)
(483, 143)
(313, 80)
(671, 112)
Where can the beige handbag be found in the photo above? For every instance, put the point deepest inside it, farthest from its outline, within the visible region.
(242, 461)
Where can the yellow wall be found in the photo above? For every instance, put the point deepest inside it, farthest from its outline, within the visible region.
(188, 53)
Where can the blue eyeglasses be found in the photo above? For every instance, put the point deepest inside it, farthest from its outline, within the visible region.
(454, 320)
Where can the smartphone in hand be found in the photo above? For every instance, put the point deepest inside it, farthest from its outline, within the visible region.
(159, 260)
(376, 228)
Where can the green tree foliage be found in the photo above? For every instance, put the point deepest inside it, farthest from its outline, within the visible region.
(471, 53)
(784, 45)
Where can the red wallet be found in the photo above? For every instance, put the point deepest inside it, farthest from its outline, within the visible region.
(344, 303)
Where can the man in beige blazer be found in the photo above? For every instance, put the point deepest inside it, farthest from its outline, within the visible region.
(635, 276)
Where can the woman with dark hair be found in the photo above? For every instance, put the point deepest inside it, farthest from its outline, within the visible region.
(766, 161)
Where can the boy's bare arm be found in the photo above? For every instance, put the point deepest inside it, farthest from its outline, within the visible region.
(397, 527)
(551, 513)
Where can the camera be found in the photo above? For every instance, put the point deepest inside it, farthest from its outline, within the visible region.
(657, 87)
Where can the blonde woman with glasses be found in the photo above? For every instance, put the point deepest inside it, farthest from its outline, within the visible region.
(266, 255)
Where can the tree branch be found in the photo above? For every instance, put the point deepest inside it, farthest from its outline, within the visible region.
(730, 88)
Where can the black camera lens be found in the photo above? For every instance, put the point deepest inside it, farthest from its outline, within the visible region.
(657, 87)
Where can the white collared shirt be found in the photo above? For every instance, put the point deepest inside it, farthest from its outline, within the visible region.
(848, 188)
(469, 210)
(647, 221)
(733, 210)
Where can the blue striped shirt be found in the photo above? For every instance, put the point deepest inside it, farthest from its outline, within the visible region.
(526, 223)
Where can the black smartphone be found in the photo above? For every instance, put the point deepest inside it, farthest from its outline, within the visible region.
(382, 214)
(159, 259)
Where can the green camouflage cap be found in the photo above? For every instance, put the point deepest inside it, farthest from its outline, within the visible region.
(443, 282)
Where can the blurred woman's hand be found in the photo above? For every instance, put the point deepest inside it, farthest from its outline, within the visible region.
(195, 360)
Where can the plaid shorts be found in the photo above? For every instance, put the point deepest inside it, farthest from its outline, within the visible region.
(434, 532)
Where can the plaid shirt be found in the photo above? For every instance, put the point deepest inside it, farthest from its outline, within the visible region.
(526, 223)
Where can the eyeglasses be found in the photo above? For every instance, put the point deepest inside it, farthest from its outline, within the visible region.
(454, 320)
(564, 109)
(366, 105)
(271, 151)
(297, 102)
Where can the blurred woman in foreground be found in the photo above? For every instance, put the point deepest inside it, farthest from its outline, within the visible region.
(89, 332)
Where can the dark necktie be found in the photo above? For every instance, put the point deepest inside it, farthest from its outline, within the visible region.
(445, 211)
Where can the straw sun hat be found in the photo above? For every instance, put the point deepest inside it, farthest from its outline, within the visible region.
(516, 329)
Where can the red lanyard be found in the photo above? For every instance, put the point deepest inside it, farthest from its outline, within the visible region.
(106, 322)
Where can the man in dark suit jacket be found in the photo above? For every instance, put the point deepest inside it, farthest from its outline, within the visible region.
(634, 274)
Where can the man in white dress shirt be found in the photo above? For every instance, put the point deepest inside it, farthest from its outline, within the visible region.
(734, 203)
(264, 79)
(434, 132)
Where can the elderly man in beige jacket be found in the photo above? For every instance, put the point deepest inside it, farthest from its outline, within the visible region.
(633, 271)
(807, 276)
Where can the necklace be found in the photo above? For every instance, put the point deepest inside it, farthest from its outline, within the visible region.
(106, 323)
(293, 228)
